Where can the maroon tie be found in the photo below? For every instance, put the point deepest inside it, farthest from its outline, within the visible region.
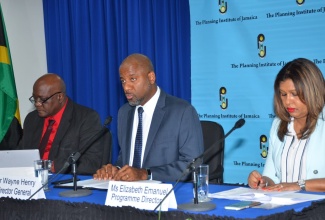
(45, 138)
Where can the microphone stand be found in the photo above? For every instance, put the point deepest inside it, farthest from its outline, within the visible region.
(73, 158)
(205, 206)
(75, 193)
(187, 170)
(196, 198)
(196, 206)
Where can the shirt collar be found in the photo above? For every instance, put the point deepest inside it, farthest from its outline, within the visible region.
(149, 107)
(57, 117)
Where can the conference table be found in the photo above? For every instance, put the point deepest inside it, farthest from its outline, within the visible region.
(93, 207)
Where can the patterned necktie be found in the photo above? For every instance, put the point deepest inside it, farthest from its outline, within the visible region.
(45, 138)
(138, 142)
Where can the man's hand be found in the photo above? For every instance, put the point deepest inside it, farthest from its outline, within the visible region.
(128, 173)
(107, 172)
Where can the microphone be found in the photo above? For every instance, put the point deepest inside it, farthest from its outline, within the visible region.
(199, 159)
(72, 159)
(239, 123)
(191, 167)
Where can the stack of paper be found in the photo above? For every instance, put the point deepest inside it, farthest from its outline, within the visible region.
(273, 197)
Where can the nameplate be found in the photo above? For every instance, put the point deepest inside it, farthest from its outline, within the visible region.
(142, 195)
(20, 187)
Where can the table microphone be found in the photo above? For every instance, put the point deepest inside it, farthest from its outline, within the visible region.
(196, 206)
(78, 154)
(237, 125)
(72, 159)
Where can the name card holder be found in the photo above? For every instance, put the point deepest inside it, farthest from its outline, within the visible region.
(20, 187)
(142, 195)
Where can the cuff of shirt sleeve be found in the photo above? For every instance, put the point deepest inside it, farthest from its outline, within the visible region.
(149, 174)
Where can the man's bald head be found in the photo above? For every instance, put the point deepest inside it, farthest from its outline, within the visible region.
(49, 93)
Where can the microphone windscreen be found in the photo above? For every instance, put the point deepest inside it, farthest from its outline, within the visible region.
(240, 123)
(108, 120)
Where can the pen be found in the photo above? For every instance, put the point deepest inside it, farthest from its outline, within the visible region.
(265, 183)
(258, 183)
(63, 181)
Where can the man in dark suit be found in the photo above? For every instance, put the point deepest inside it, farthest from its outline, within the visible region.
(172, 134)
(73, 128)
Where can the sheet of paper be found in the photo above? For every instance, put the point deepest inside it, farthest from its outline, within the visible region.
(245, 193)
(273, 197)
(294, 198)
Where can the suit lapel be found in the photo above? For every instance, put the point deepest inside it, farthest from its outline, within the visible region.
(129, 126)
(157, 119)
(38, 133)
(62, 129)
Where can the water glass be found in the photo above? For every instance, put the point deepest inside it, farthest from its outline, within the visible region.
(42, 168)
(202, 178)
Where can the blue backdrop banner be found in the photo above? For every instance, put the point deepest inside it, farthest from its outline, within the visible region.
(237, 49)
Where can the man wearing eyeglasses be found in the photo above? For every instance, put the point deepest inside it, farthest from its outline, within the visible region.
(59, 127)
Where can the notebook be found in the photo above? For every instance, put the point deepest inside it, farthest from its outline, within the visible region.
(18, 158)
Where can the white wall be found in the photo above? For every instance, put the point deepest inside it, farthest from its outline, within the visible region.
(25, 29)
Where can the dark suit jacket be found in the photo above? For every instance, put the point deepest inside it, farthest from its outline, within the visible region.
(78, 125)
(174, 139)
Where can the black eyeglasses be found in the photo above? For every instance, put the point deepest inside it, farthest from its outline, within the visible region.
(40, 100)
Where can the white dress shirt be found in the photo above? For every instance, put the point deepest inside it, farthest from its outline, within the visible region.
(148, 110)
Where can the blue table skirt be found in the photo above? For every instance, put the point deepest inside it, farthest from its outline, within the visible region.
(184, 194)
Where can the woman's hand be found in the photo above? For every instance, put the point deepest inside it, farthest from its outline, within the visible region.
(255, 179)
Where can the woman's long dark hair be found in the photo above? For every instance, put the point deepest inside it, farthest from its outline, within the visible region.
(310, 87)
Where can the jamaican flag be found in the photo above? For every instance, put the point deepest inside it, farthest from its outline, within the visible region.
(10, 125)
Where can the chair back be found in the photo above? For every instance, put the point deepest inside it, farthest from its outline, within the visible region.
(212, 134)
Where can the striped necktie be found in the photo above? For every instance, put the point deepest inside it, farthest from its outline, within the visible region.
(138, 142)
